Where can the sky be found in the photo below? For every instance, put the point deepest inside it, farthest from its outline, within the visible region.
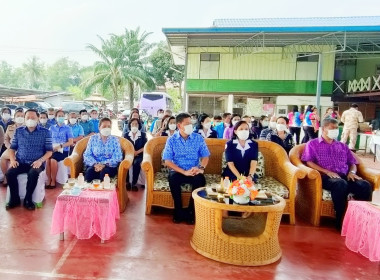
(51, 29)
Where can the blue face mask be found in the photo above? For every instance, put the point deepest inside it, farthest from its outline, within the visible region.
(61, 120)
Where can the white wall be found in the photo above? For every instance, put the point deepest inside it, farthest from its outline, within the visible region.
(283, 102)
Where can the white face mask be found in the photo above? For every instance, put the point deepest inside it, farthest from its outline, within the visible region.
(134, 129)
(84, 117)
(242, 134)
(206, 125)
(172, 126)
(6, 116)
(333, 133)
(105, 131)
(188, 129)
(265, 123)
(73, 121)
(280, 127)
(193, 121)
(234, 122)
(272, 125)
(43, 121)
(31, 123)
(51, 117)
(19, 120)
(160, 115)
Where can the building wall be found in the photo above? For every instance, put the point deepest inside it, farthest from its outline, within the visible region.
(366, 67)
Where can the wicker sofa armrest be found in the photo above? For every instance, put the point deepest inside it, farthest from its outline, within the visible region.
(75, 163)
(369, 174)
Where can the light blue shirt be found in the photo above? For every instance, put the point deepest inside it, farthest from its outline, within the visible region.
(61, 134)
(77, 130)
(185, 153)
(108, 152)
(95, 123)
(220, 130)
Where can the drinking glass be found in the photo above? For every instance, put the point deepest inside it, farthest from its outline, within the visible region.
(71, 182)
(96, 183)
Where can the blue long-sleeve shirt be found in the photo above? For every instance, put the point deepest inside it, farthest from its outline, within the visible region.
(108, 152)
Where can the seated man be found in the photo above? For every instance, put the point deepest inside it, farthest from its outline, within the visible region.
(77, 130)
(186, 155)
(337, 166)
(34, 146)
(88, 127)
(103, 153)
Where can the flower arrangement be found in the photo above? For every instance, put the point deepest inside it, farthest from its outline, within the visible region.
(242, 190)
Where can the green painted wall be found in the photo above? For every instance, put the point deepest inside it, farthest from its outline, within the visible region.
(366, 67)
(257, 86)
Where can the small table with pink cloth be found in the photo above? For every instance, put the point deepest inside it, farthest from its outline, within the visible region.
(92, 212)
(361, 226)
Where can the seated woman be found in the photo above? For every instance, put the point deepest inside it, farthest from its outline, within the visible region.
(62, 137)
(252, 133)
(171, 127)
(229, 131)
(134, 115)
(241, 154)
(8, 137)
(162, 127)
(280, 134)
(103, 153)
(204, 127)
(138, 139)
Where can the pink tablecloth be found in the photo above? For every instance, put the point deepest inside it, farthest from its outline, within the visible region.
(93, 212)
(361, 226)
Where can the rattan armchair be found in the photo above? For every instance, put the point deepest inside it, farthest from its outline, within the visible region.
(75, 163)
(278, 166)
(151, 164)
(309, 203)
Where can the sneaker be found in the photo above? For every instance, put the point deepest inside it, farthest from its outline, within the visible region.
(11, 205)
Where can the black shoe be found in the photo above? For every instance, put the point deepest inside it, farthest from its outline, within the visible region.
(29, 205)
(135, 189)
(129, 187)
(50, 187)
(11, 205)
(177, 220)
(190, 221)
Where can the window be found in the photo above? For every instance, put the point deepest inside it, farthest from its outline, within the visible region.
(152, 97)
(209, 66)
(307, 57)
(210, 56)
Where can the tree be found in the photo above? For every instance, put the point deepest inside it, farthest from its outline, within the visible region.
(8, 75)
(63, 74)
(34, 72)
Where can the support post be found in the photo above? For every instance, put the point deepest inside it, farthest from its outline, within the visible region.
(319, 82)
(230, 103)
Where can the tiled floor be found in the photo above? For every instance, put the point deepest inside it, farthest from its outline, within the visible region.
(152, 247)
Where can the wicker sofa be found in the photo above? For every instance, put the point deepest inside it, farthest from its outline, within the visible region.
(312, 202)
(75, 163)
(278, 178)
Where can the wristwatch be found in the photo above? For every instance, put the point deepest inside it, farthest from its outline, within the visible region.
(353, 172)
(201, 167)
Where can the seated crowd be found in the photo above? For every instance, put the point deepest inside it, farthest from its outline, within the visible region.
(32, 142)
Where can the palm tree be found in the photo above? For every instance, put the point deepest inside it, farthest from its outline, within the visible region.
(122, 64)
(34, 70)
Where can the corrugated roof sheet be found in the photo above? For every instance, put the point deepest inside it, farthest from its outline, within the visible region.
(299, 22)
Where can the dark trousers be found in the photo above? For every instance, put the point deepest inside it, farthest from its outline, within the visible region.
(91, 174)
(309, 134)
(340, 188)
(33, 174)
(136, 169)
(295, 131)
(175, 181)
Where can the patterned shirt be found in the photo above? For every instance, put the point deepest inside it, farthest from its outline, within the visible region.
(95, 124)
(77, 130)
(61, 134)
(31, 146)
(287, 143)
(108, 152)
(88, 127)
(264, 133)
(351, 118)
(185, 153)
(51, 122)
(335, 157)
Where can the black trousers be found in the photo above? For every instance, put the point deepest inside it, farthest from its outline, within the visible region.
(31, 184)
(340, 188)
(136, 169)
(91, 174)
(175, 181)
(309, 134)
(295, 131)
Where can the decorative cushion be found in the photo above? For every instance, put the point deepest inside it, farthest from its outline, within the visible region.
(161, 182)
(164, 168)
(273, 186)
(260, 168)
(326, 195)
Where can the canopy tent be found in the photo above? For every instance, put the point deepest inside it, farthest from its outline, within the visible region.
(96, 98)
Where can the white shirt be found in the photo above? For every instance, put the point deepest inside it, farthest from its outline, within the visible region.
(201, 132)
(134, 138)
(239, 147)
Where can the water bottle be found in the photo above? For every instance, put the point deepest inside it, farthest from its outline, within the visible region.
(81, 180)
(376, 197)
(226, 183)
(106, 182)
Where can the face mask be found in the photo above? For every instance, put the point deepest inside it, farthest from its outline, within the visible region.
(333, 133)
(51, 117)
(160, 115)
(272, 125)
(172, 126)
(6, 116)
(234, 122)
(207, 125)
(188, 129)
(134, 129)
(105, 131)
(94, 117)
(281, 127)
(193, 121)
(265, 123)
(84, 117)
(19, 120)
(242, 134)
(31, 123)
(43, 121)
(61, 120)
(73, 121)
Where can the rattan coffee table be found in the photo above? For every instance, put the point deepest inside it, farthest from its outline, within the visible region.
(249, 241)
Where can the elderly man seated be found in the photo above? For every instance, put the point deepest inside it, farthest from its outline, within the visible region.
(337, 166)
